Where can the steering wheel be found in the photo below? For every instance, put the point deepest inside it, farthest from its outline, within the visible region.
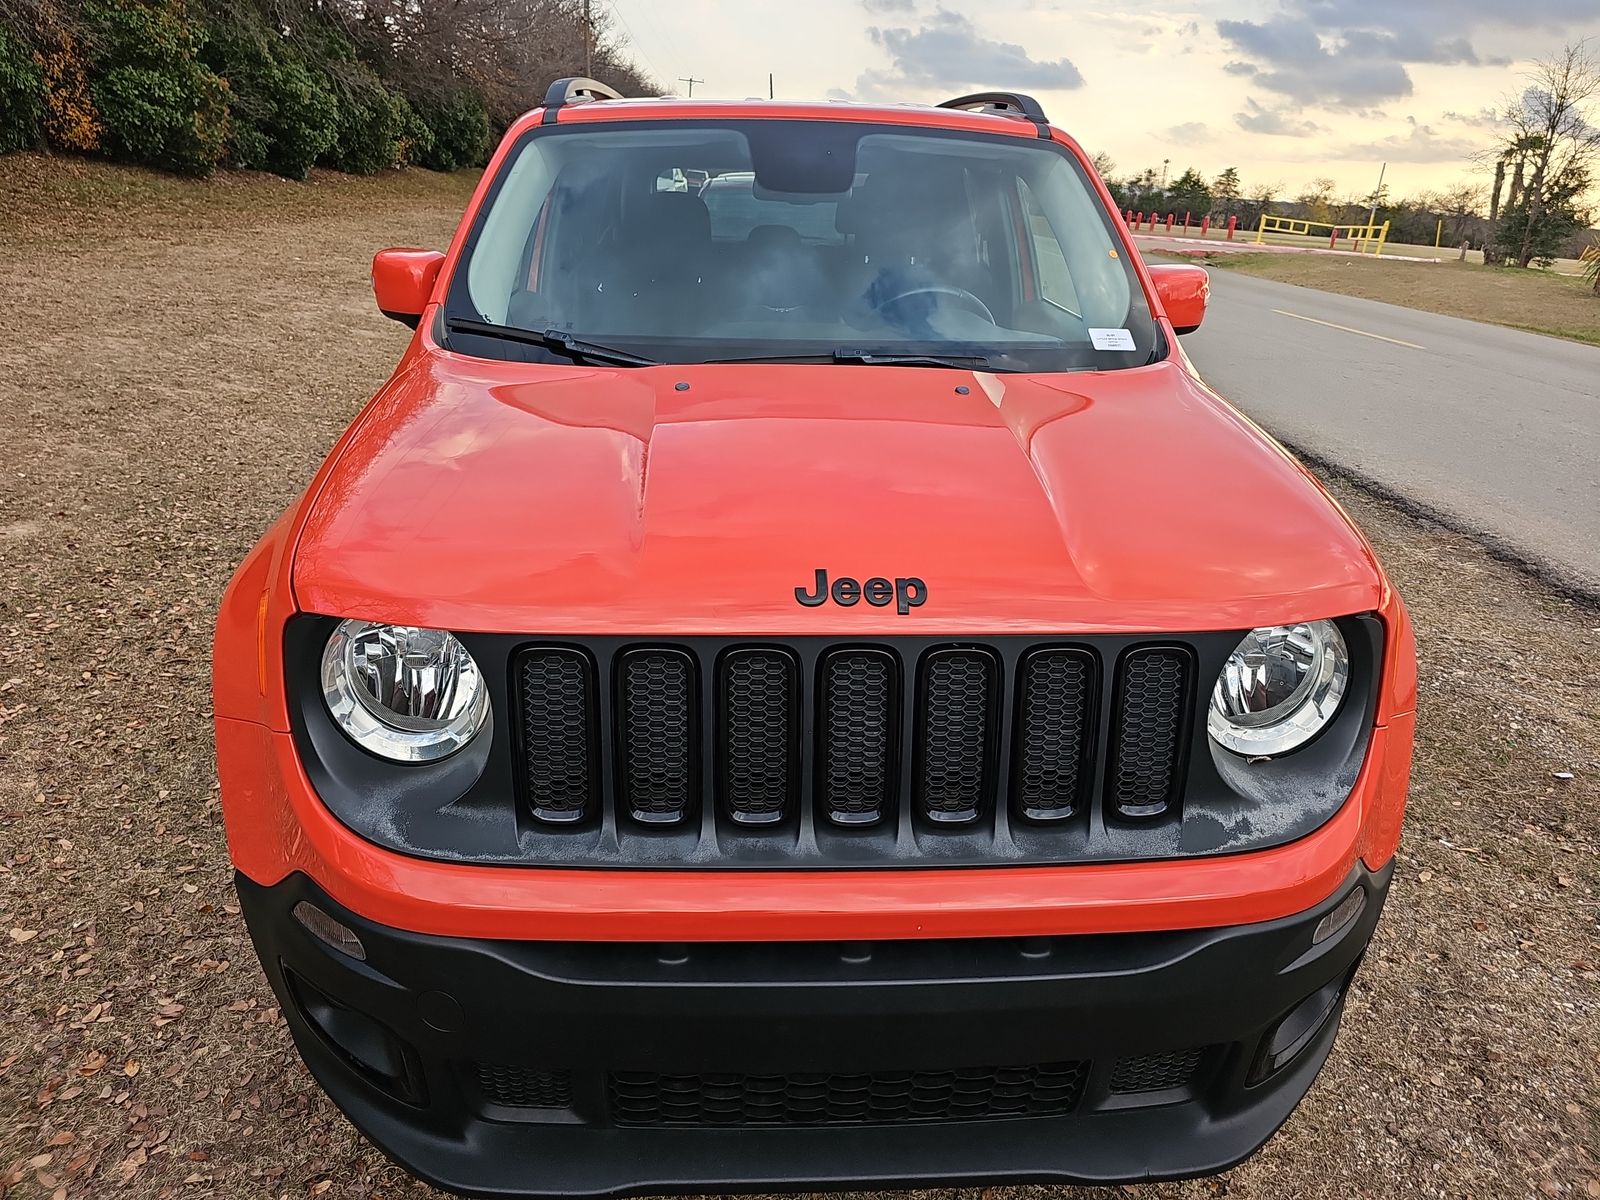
(963, 297)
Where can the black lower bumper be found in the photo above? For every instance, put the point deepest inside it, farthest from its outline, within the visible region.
(543, 1068)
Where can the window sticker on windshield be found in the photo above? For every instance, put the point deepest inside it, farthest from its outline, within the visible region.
(1111, 339)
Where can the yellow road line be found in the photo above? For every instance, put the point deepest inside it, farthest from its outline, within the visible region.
(1346, 329)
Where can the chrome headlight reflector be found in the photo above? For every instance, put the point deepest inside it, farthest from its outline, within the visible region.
(1280, 687)
(406, 694)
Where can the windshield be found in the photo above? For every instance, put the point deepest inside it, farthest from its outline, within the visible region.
(697, 241)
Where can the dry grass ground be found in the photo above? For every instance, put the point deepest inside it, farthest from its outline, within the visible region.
(169, 379)
(1540, 302)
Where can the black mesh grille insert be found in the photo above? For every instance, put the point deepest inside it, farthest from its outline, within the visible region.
(885, 1097)
(858, 698)
(759, 725)
(558, 727)
(1053, 733)
(657, 718)
(524, 1087)
(1156, 1072)
(1147, 743)
(957, 712)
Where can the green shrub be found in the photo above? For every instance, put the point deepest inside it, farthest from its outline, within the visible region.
(460, 129)
(282, 114)
(21, 95)
(161, 106)
(373, 124)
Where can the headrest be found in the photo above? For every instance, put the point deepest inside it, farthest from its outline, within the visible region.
(670, 216)
(774, 239)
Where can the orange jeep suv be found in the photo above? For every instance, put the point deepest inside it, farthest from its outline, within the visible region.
(795, 682)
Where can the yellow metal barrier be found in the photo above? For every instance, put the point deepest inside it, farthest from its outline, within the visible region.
(1362, 238)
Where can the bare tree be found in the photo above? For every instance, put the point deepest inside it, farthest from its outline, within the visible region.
(1550, 148)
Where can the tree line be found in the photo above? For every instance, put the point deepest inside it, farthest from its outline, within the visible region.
(1533, 205)
(285, 85)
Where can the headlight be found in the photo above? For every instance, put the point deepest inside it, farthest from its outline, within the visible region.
(1279, 688)
(406, 694)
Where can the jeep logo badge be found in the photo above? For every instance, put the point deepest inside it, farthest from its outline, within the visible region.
(906, 593)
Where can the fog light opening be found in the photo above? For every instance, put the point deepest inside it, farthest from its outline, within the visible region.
(325, 929)
(1341, 917)
(1297, 1030)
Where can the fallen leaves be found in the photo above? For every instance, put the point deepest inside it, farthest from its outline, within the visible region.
(24, 935)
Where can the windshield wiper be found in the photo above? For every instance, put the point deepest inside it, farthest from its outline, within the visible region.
(557, 341)
(872, 358)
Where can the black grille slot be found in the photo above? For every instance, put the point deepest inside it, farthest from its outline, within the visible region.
(1156, 1072)
(858, 735)
(880, 1098)
(760, 725)
(1053, 734)
(524, 1087)
(657, 734)
(1152, 720)
(556, 693)
(957, 715)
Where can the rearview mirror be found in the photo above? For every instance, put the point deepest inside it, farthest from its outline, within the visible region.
(1184, 291)
(402, 280)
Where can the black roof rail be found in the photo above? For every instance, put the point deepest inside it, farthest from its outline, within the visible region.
(576, 90)
(1012, 104)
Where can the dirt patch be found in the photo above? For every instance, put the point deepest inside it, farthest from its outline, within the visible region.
(1538, 301)
(165, 398)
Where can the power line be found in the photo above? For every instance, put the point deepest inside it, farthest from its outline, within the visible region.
(633, 41)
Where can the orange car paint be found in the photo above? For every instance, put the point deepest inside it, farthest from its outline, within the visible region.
(513, 497)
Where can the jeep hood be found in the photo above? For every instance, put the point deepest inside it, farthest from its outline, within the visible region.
(490, 496)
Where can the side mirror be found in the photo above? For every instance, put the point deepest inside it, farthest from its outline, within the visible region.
(1184, 291)
(403, 280)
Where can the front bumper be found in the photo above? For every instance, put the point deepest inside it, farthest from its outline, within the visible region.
(542, 1068)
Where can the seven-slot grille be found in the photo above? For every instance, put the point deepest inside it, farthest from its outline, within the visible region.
(843, 736)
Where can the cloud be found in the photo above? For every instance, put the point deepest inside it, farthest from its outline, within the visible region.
(1277, 122)
(1189, 131)
(889, 6)
(1286, 55)
(945, 50)
(1484, 118)
(1354, 53)
(1424, 144)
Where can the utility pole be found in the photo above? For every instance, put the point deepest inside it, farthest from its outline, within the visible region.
(691, 81)
(588, 41)
(1372, 215)
(770, 92)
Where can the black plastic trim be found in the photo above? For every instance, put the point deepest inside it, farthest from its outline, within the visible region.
(469, 807)
(1017, 103)
(585, 1010)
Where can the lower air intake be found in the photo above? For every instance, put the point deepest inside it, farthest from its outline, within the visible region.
(1156, 1072)
(881, 1098)
(524, 1087)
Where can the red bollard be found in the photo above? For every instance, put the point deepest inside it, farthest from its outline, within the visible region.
(1138, 220)
(1186, 224)
(1333, 240)
(1205, 226)
(1127, 217)
(1170, 218)
(1233, 223)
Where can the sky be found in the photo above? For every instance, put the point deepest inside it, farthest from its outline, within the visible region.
(1285, 90)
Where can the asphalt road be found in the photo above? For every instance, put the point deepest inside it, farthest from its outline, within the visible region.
(1494, 431)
